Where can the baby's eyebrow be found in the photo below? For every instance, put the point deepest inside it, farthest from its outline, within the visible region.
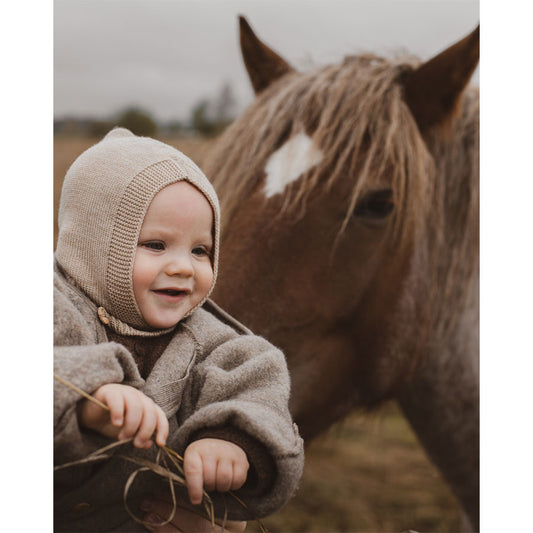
(144, 238)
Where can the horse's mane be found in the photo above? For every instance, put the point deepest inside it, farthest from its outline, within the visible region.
(355, 114)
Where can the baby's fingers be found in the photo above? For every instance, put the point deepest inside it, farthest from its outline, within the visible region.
(240, 473)
(231, 475)
(133, 414)
(115, 402)
(193, 468)
(153, 421)
(146, 429)
(162, 428)
(224, 476)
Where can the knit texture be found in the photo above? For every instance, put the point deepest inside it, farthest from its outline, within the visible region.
(105, 196)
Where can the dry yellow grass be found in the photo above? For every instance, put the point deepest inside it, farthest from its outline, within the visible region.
(367, 474)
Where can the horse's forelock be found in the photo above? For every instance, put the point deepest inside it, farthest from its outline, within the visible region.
(355, 114)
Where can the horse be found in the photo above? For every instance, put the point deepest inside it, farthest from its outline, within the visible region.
(350, 196)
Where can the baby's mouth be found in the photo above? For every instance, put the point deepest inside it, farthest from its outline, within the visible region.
(171, 292)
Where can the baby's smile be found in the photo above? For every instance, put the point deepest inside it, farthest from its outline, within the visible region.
(173, 293)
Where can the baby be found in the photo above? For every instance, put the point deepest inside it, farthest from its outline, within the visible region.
(136, 260)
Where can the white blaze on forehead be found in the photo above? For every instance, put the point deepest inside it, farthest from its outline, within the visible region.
(289, 162)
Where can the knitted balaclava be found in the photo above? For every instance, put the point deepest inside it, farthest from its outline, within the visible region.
(105, 196)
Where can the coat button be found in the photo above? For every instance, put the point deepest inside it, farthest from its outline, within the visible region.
(103, 316)
(81, 507)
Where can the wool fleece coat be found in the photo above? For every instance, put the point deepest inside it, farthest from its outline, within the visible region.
(214, 378)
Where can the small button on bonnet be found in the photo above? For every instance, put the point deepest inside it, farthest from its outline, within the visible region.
(103, 316)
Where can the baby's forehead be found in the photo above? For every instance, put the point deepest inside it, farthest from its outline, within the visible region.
(178, 207)
(183, 185)
(181, 193)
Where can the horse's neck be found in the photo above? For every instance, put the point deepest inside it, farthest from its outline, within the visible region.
(456, 204)
(442, 400)
(442, 405)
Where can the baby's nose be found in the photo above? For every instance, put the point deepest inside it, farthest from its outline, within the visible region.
(180, 265)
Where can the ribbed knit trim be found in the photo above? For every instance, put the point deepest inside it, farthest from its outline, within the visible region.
(121, 328)
(128, 222)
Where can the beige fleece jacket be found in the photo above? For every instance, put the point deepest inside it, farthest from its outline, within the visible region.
(214, 377)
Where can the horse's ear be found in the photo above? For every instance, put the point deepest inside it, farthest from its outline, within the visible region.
(433, 90)
(262, 63)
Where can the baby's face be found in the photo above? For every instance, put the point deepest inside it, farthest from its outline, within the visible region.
(172, 271)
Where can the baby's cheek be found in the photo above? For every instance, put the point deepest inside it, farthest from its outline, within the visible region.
(143, 273)
(207, 277)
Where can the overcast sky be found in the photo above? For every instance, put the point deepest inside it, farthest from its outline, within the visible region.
(166, 55)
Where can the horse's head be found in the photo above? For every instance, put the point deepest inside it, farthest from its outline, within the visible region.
(335, 217)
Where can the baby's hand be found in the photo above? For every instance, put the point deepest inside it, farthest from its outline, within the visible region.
(131, 414)
(213, 464)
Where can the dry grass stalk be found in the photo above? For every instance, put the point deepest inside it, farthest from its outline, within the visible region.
(161, 468)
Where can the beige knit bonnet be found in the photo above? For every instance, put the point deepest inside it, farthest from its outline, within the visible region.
(105, 196)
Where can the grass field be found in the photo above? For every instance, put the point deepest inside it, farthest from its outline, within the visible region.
(367, 474)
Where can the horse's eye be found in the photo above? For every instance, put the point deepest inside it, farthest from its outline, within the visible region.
(375, 205)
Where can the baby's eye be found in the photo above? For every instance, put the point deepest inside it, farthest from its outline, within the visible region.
(202, 251)
(153, 245)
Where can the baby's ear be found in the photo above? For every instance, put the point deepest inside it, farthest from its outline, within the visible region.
(119, 133)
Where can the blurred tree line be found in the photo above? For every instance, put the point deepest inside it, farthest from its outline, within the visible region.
(207, 118)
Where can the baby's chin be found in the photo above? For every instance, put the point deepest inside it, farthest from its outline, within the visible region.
(164, 310)
(163, 322)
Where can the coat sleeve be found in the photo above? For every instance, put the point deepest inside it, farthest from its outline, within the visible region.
(88, 365)
(242, 386)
